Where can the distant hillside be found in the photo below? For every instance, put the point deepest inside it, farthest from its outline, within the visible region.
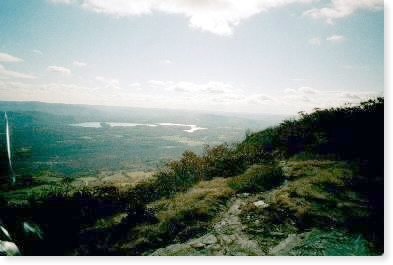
(83, 113)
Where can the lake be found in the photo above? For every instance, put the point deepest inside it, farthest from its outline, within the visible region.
(191, 127)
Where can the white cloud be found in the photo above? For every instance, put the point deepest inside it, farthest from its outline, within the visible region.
(81, 94)
(215, 16)
(214, 94)
(109, 82)
(305, 101)
(335, 38)
(8, 58)
(351, 96)
(359, 96)
(6, 74)
(295, 99)
(79, 64)
(167, 62)
(180, 89)
(342, 8)
(297, 79)
(216, 88)
(314, 41)
(59, 70)
(211, 87)
(290, 91)
(51, 92)
(158, 83)
(135, 85)
(37, 52)
(196, 98)
(301, 90)
(307, 90)
(263, 98)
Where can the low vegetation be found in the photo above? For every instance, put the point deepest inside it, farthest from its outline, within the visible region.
(348, 132)
(258, 178)
(200, 202)
(320, 178)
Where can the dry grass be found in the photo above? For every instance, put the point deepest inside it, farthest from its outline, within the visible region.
(123, 181)
(200, 200)
(257, 178)
(245, 179)
(297, 195)
(180, 217)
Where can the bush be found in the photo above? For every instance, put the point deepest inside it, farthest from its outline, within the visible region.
(218, 161)
(223, 161)
(348, 132)
(179, 175)
(64, 212)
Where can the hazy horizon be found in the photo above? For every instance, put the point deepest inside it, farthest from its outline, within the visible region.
(223, 113)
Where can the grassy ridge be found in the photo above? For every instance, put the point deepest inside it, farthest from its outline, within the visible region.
(348, 132)
(178, 202)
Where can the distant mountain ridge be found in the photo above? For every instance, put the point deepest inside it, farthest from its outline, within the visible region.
(118, 113)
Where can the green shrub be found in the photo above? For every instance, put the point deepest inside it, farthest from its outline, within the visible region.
(223, 161)
(218, 161)
(179, 175)
(341, 131)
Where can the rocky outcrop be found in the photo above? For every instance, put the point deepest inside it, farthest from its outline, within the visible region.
(274, 222)
(227, 237)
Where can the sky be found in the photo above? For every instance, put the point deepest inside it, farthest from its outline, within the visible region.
(255, 56)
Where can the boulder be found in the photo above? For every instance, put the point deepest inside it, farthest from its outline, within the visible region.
(197, 245)
(261, 204)
(210, 239)
(8, 249)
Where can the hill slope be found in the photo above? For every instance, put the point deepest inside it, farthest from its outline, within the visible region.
(303, 216)
(312, 186)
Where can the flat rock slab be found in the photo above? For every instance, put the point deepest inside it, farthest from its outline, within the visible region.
(290, 242)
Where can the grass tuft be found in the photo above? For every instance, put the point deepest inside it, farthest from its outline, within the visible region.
(258, 178)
